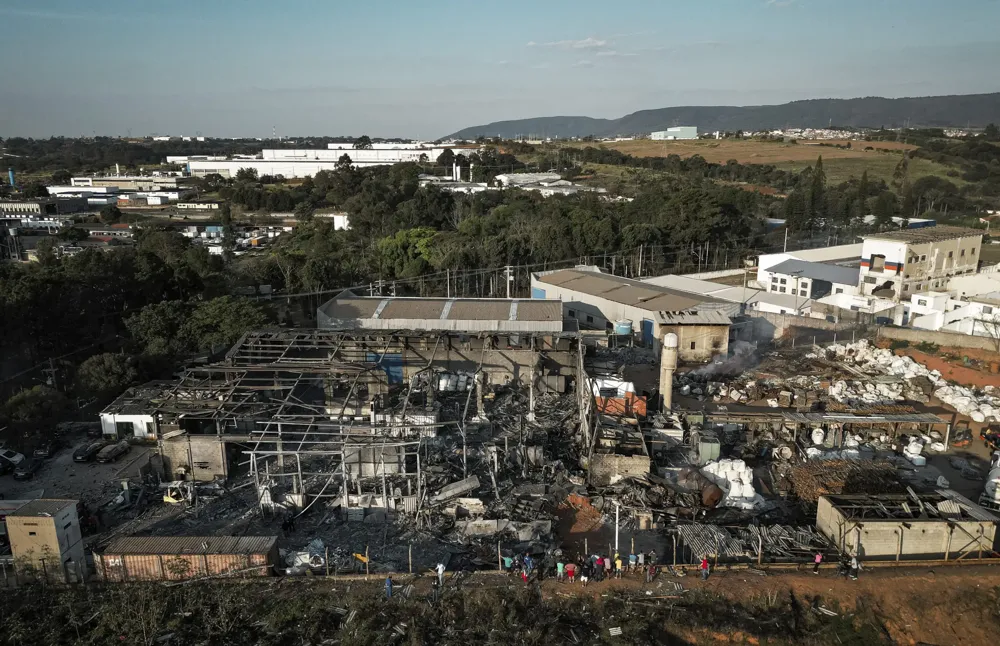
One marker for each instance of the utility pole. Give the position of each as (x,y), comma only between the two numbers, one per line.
(617,507)
(785,248)
(508,277)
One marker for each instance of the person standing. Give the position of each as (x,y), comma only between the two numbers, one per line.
(816,561)
(529,565)
(652,557)
(435,590)
(608,565)
(704,568)
(560,571)
(388,588)
(571,572)
(508,565)
(855,567)
(599,570)
(633,561)
(440,573)
(650,573)
(618,567)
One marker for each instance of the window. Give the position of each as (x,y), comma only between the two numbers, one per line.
(67,526)
(32,534)
(921,301)
(919,286)
(693,343)
(973,252)
(774,279)
(956,307)
(962,254)
(870,280)
(923,258)
(784,311)
(839,290)
(783,281)
(590,319)
(803,293)
(987,309)
(951,254)
(572,314)
(782,290)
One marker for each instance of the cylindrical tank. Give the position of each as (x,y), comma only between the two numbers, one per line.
(668,363)
(623,328)
(10,176)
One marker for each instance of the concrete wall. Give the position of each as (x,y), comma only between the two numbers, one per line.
(139,423)
(950,339)
(699,343)
(767,325)
(604,466)
(880,539)
(207,452)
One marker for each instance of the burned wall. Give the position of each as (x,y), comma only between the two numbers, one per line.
(605,466)
(203,457)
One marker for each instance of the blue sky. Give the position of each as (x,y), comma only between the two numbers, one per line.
(421,68)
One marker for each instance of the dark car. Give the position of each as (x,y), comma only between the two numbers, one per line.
(86,452)
(46,449)
(27,469)
(112,452)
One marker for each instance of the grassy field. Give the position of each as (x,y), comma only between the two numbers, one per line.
(840,164)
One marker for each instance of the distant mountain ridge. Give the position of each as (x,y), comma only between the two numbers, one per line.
(976,110)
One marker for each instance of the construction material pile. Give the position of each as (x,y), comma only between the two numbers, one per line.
(773,541)
(981,407)
(811,480)
(735,479)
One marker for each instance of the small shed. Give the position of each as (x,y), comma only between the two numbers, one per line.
(175,558)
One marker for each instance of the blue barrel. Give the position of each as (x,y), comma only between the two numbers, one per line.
(623,328)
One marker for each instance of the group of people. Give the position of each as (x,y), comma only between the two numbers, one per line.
(587,568)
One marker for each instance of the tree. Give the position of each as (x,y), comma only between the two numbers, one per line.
(990,325)
(991,132)
(222,321)
(72,234)
(817,192)
(45,251)
(884,211)
(247,175)
(61,177)
(228,232)
(344,163)
(446,159)
(36,405)
(364,142)
(34,191)
(111,214)
(104,376)
(156,328)
(304,211)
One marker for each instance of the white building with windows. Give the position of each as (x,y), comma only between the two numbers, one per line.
(677,132)
(898,264)
(939,311)
(808,279)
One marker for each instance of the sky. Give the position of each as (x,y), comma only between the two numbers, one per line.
(426,68)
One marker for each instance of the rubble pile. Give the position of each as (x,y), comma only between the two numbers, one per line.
(768,541)
(917,382)
(810,480)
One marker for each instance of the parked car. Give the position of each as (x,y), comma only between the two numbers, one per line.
(112,452)
(27,469)
(12,458)
(86,452)
(47,448)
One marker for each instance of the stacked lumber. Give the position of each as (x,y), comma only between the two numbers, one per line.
(816,478)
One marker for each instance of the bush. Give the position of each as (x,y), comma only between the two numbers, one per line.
(899,344)
(928,347)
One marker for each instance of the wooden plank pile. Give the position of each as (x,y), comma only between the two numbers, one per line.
(816,478)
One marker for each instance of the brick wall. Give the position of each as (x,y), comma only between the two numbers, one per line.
(603,467)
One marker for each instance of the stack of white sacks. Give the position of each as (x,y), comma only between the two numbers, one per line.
(735,478)
(981,408)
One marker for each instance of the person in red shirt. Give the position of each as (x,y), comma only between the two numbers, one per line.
(571,572)
(704,568)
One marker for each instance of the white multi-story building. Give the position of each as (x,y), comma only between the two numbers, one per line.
(677,132)
(808,279)
(899,264)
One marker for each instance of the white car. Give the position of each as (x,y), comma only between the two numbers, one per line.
(12,458)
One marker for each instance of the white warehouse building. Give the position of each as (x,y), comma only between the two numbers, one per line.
(677,132)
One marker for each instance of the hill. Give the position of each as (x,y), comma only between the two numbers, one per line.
(976,110)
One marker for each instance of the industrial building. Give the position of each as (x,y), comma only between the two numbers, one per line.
(809,279)
(133,183)
(45,536)
(298,163)
(898,264)
(602,301)
(42,206)
(493,315)
(677,132)
(942,525)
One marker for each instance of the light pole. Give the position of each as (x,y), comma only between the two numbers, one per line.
(617,507)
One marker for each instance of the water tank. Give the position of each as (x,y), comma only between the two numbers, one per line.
(670,340)
(623,328)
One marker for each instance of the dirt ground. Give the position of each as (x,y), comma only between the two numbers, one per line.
(943,605)
(747,151)
(949,361)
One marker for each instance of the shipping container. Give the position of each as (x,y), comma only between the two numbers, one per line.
(175,558)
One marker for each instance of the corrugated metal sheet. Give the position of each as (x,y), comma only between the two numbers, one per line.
(177,567)
(192,545)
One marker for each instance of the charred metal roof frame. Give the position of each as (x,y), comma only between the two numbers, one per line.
(170,545)
(943,505)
